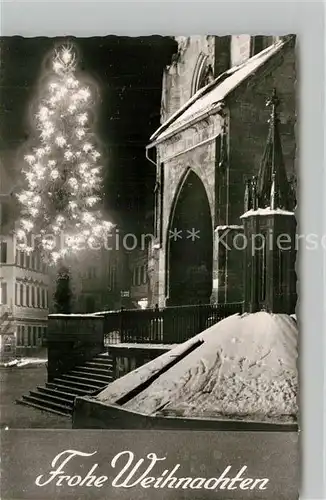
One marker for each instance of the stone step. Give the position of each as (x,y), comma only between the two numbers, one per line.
(72,389)
(58,396)
(52,397)
(77,382)
(107,361)
(106,377)
(102,356)
(41,406)
(95,369)
(86,380)
(47,404)
(66,395)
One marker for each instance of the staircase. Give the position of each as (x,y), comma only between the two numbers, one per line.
(59,396)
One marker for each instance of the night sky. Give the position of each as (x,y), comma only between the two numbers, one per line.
(128,72)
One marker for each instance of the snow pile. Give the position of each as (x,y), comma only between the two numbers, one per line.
(24,362)
(245,368)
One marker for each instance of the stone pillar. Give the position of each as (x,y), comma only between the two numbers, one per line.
(269,261)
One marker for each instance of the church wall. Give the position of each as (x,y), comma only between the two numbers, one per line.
(249,117)
(248,134)
(177,78)
(202,160)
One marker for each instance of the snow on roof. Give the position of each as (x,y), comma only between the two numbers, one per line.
(265,211)
(210,98)
(244,368)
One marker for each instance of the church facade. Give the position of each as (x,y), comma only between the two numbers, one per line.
(215,125)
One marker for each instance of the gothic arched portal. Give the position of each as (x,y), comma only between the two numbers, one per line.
(189,245)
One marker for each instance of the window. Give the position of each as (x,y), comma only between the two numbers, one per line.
(261,256)
(90,304)
(29,335)
(91,272)
(144,274)
(3,294)
(38,297)
(33,296)
(113,278)
(4,213)
(19,335)
(22,259)
(21,294)
(28,260)
(23,334)
(27,296)
(138,275)
(3,252)
(34,341)
(282,271)
(203,73)
(16,294)
(32,261)
(43,298)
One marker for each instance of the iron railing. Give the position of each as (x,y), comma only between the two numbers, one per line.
(169,325)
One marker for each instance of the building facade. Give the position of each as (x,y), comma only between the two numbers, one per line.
(100,277)
(105,280)
(24,280)
(139,289)
(212,138)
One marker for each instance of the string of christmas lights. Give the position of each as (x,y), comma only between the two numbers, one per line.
(63,175)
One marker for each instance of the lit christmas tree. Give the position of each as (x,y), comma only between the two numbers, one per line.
(62,171)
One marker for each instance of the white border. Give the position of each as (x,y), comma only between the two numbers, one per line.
(307,19)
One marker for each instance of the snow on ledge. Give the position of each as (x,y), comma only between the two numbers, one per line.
(266,211)
(89,315)
(230,226)
(125,345)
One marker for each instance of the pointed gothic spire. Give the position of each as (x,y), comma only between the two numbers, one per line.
(272,183)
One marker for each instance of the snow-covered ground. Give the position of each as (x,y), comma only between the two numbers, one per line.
(245,368)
